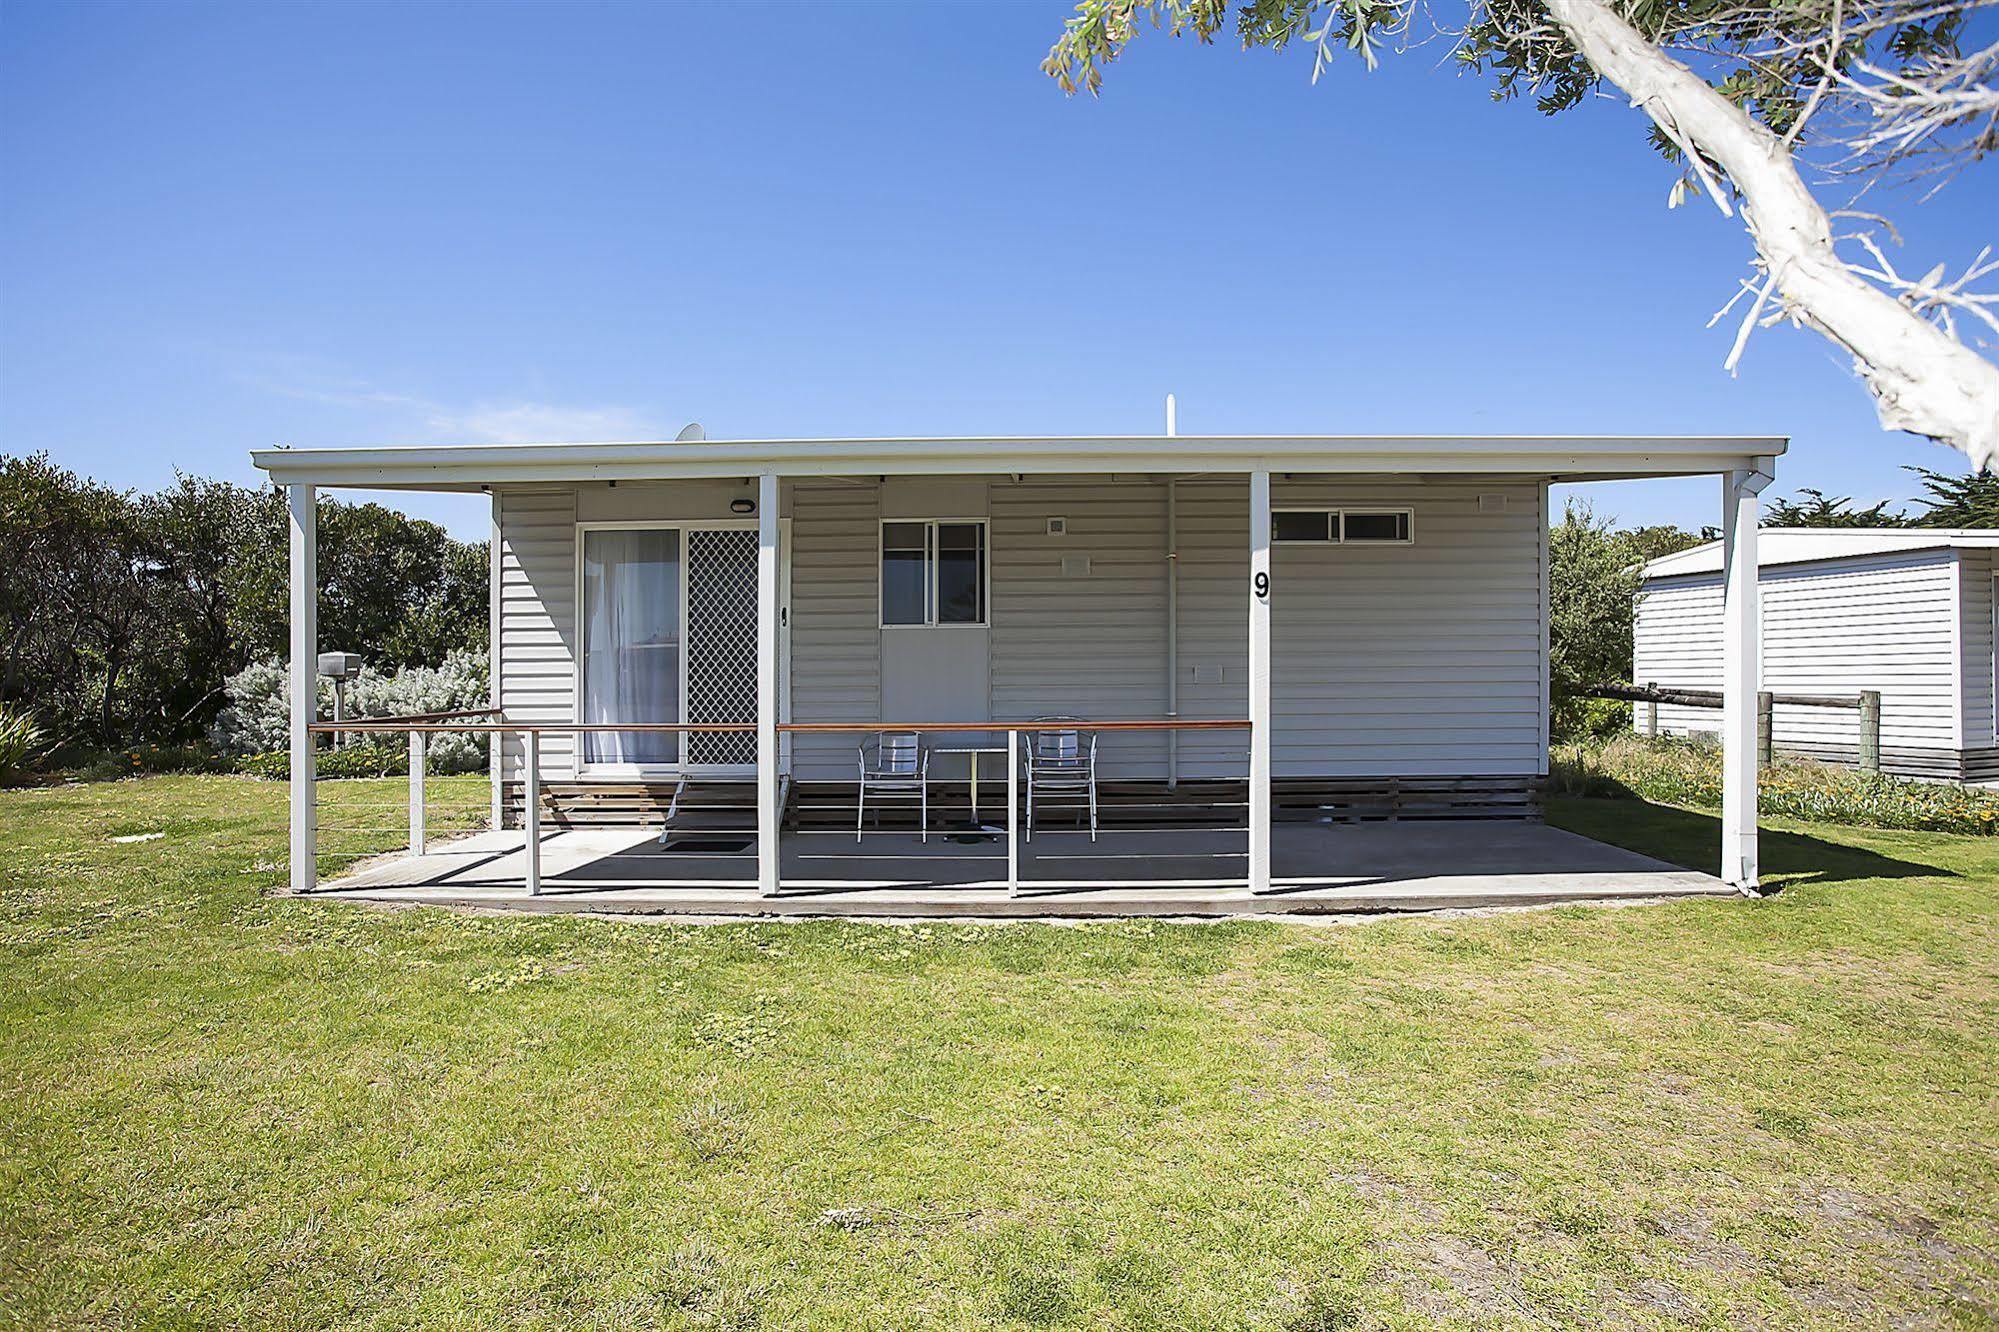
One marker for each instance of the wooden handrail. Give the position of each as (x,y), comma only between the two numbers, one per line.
(539,728)
(1058,724)
(794,728)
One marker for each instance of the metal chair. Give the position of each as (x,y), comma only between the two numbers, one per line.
(1060,765)
(894,766)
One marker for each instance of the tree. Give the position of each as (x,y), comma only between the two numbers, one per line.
(1748,98)
(74,592)
(121,615)
(1651,543)
(1593,577)
(1815,508)
(195,530)
(396,589)
(1958,501)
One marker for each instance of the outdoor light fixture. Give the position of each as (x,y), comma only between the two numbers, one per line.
(742,506)
(339,667)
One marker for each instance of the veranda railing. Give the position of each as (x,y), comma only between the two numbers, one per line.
(491,721)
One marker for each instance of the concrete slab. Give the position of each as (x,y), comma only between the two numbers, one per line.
(1317,869)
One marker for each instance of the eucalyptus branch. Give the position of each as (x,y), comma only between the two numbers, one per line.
(1747,96)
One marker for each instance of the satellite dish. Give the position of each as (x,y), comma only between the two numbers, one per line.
(690,433)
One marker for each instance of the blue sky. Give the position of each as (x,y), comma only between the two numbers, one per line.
(223,227)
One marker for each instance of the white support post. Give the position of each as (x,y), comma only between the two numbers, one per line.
(1741,659)
(767,613)
(1012,812)
(1259,682)
(417,747)
(531,811)
(301,502)
(496,742)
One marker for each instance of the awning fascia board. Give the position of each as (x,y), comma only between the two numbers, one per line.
(480,466)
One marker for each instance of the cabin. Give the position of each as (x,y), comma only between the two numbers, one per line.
(1905,612)
(1231,631)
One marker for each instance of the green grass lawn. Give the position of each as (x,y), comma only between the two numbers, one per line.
(219,1107)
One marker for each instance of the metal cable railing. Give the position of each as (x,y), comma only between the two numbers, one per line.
(492,722)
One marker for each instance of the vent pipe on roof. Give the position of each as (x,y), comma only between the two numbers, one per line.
(1172,416)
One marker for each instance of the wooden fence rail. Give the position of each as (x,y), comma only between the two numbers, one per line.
(1867,703)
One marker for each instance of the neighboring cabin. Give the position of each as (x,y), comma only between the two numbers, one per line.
(1906,611)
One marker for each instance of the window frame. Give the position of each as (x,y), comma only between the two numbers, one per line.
(1336,524)
(1373,511)
(930,567)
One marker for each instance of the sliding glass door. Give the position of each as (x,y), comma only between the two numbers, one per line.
(631,613)
(668,635)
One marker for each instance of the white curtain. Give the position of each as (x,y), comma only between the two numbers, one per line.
(631,643)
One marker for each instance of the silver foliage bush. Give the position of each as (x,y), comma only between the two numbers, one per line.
(257,719)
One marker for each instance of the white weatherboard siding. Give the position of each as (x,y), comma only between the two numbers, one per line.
(1079,619)
(538,622)
(1419,659)
(1887,622)
(1413,660)
(835,644)
(1977,570)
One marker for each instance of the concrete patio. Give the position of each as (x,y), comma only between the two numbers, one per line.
(1318,869)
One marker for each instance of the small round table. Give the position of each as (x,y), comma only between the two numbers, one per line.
(974,751)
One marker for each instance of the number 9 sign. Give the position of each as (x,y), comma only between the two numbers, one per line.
(1262,585)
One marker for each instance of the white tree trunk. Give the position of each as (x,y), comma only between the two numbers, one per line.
(1923,380)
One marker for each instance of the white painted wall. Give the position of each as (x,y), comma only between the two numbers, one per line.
(835,645)
(1978,575)
(1890,622)
(1079,619)
(538,622)
(1412,660)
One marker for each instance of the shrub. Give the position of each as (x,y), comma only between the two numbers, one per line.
(106,765)
(21,742)
(374,760)
(1578,718)
(1677,771)
(257,720)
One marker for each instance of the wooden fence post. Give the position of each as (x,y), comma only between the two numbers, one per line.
(1651,715)
(1870,730)
(1766,748)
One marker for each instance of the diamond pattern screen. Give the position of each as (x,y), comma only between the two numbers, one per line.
(722,642)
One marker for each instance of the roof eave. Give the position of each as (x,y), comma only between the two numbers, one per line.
(472,467)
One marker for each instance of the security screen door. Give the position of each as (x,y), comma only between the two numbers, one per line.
(669,617)
(721,643)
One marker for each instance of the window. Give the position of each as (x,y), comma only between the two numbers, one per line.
(1375,525)
(1326,526)
(933,572)
(1301,525)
